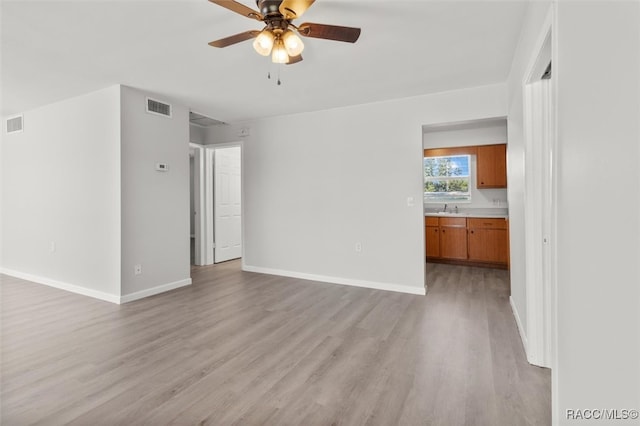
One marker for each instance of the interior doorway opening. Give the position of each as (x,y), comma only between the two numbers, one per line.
(216,203)
(458,159)
(196,203)
(226,232)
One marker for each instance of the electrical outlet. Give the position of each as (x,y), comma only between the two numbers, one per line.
(137,270)
(358,247)
(52,247)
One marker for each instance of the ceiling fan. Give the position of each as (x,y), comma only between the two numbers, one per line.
(279,38)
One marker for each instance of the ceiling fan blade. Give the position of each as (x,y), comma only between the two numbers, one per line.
(237,38)
(240,8)
(294,59)
(292,9)
(329,32)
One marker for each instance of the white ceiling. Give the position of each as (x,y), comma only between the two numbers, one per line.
(54,50)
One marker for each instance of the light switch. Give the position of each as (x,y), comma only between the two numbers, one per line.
(410,202)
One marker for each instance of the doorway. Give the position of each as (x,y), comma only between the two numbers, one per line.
(218,208)
(196,204)
(227,204)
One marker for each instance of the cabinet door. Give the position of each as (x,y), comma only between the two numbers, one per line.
(453,242)
(488,245)
(432,240)
(491,166)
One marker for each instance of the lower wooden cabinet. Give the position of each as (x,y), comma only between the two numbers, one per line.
(453,238)
(467,240)
(432,236)
(488,240)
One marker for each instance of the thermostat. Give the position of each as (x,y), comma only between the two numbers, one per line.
(162,167)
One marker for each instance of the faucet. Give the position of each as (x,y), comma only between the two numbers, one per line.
(456,209)
(445,208)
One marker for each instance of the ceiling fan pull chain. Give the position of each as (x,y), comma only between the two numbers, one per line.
(279,82)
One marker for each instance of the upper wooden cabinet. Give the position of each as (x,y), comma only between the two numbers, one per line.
(491,166)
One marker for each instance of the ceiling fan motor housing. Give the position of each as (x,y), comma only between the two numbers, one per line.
(269,8)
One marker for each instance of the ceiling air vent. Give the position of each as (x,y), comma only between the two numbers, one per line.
(14,124)
(157,107)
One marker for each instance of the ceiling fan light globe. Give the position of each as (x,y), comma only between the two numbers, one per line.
(263,44)
(292,43)
(279,54)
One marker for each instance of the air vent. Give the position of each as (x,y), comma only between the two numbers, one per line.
(157,107)
(14,124)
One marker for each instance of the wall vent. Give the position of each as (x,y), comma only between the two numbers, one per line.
(14,124)
(157,107)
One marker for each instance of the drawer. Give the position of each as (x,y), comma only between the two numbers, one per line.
(459,222)
(490,223)
(431,221)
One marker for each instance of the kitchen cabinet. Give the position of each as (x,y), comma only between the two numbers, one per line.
(488,240)
(432,236)
(453,237)
(491,165)
(472,241)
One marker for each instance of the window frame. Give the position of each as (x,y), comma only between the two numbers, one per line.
(449,196)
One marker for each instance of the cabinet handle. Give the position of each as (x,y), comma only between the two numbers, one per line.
(472,232)
(435,230)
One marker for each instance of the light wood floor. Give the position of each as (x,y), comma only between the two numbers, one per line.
(240,348)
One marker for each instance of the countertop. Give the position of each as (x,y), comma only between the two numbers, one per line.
(492,213)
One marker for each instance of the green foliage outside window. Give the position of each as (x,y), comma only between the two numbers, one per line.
(447,178)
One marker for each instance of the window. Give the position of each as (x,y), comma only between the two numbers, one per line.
(447,178)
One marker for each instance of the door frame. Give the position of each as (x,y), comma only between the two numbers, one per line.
(541,288)
(209,216)
(198,201)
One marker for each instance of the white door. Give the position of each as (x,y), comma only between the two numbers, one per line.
(227,204)
(538,220)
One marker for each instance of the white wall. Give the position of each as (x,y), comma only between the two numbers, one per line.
(598,116)
(481,132)
(317,183)
(532,25)
(598,249)
(197,134)
(61,184)
(155,205)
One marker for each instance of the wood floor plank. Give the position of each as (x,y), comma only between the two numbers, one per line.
(240,348)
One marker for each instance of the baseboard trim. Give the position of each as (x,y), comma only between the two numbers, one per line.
(107,297)
(336,280)
(523,335)
(154,290)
